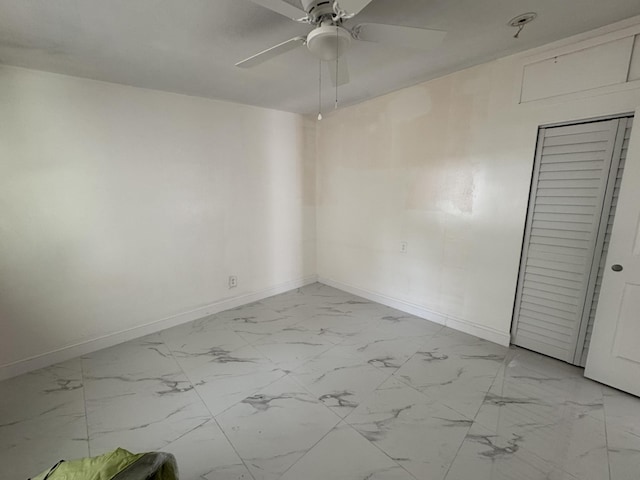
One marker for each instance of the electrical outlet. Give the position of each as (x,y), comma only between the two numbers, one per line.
(233,281)
(403,247)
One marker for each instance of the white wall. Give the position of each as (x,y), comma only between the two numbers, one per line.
(445,166)
(122,206)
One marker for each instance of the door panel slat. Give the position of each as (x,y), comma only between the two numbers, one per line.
(553,281)
(591,147)
(536,307)
(566,166)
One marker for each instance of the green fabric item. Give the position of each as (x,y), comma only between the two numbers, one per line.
(104,467)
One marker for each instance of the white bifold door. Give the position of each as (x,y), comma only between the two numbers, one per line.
(576,183)
(614,354)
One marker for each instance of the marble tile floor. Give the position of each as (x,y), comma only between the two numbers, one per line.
(319,384)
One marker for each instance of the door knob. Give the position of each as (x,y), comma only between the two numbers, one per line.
(616,268)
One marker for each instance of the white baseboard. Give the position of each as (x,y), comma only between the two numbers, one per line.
(481,331)
(82,348)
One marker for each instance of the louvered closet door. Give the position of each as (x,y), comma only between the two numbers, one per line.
(569,183)
(606,226)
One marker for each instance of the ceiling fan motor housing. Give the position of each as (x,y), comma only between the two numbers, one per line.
(316,9)
(328,42)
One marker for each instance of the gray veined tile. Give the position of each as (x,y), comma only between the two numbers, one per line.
(572,391)
(421,435)
(345,455)
(622,414)
(314,293)
(571,437)
(204,453)
(333,326)
(467,345)
(36,445)
(380,350)
(559,398)
(624,456)
(200,332)
(325,292)
(524,364)
(535,417)
(333,310)
(399,324)
(548,399)
(42,420)
(223,382)
(118,421)
(55,390)
(248,312)
(256,328)
(273,428)
(307,301)
(484,456)
(147,357)
(339,380)
(121,379)
(195,345)
(291,348)
(546,378)
(456,369)
(297,310)
(307,296)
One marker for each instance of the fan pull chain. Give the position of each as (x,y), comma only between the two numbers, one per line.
(336,105)
(320,90)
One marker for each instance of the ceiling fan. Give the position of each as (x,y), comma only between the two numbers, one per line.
(332,33)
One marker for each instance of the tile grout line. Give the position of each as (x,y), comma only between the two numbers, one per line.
(84,399)
(380,450)
(206,407)
(311,447)
(340,419)
(240,401)
(286,374)
(247,344)
(308,318)
(344,421)
(606,433)
(504,364)
(314,395)
(188,432)
(290,375)
(424,395)
(262,356)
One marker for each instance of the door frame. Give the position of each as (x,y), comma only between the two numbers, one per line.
(602,118)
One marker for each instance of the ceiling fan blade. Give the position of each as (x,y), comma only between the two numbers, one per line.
(410,37)
(283,8)
(353,7)
(272,52)
(341,75)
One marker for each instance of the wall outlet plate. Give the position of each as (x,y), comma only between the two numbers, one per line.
(233,281)
(404,247)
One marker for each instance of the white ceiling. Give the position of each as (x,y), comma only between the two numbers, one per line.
(191,46)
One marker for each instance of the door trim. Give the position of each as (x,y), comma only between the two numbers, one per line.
(604,118)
